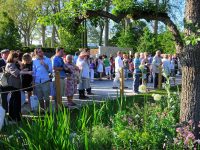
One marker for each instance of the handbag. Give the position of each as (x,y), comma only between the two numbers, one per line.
(4,78)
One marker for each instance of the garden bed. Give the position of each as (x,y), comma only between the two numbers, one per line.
(136,122)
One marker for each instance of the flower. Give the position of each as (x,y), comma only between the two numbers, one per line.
(190,122)
(142,88)
(137,116)
(141,67)
(157,97)
(197,141)
(178,130)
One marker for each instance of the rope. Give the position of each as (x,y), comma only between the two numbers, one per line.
(22,89)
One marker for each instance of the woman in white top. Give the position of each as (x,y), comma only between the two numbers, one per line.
(100,67)
(166,65)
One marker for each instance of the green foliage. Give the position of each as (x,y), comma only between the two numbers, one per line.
(9,36)
(101,137)
(149,42)
(127,123)
(70,41)
(166,42)
(130,5)
(128,37)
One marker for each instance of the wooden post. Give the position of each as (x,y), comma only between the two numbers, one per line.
(121,82)
(160,78)
(58,90)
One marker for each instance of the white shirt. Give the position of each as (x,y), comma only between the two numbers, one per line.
(84,67)
(166,66)
(118,63)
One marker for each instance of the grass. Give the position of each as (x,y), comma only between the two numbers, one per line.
(55,130)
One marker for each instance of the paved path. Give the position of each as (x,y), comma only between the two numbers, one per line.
(103,90)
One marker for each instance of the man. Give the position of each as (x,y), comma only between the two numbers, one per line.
(137,72)
(42,66)
(58,65)
(4,56)
(89,89)
(156,64)
(118,66)
(82,64)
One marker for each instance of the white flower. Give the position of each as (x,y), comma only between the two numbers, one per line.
(137,116)
(142,88)
(141,67)
(157,97)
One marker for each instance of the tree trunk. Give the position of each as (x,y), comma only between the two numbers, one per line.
(85,34)
(43,28)
(53,36)
(25,43)
(101,34)
(106,33)
(190,96)
(128,23)
(155,27)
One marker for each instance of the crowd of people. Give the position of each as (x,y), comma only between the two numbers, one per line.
(35,74)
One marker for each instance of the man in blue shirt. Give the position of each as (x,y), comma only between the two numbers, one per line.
(136,81)
(58,65)
(42,66)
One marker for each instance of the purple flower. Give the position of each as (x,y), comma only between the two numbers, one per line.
(190,122)
(178,130)
(190,136)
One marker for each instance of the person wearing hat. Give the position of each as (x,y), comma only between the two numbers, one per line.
(4,56)
(84,68)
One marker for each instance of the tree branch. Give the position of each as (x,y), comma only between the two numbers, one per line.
(136,15)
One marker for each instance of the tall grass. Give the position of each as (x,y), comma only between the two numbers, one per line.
(127,123)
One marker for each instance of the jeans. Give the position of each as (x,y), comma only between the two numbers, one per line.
(91,75)
(136,82)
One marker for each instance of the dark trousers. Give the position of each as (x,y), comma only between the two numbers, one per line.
(136,82)
(15,105)
(4,97)
(156,80)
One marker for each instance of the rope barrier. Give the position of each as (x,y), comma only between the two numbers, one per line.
(22,89)
(62,77)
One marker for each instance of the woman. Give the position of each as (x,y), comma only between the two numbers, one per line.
(126,65)
(14,83)
(100,67)
(71,80)
(27,79)
(146,70)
